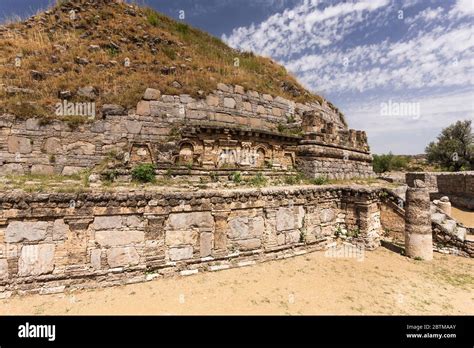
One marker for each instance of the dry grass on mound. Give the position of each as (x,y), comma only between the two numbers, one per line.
(59,54)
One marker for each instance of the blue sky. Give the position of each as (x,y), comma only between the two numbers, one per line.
(362,55)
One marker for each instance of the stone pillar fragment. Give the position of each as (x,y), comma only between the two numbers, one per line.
(445,205)
(418,234)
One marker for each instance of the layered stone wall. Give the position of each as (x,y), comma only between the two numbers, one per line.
(459,187)
(53,242)
(449,236)
(230,127)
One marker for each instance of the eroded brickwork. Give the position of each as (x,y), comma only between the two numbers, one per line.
(53,242)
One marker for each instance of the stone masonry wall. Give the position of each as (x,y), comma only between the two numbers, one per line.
(459,187)
(153,131)
(52,242)
(449,236)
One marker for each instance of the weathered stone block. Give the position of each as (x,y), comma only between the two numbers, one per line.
(18,231)
(293,237)
(175,238)
(249,244)
(60,230)
(267,97)
(52,146)
(224,88)
(152,94)
(18,144)
(80,148)
(133,127)
(70,170)
(122,257)
(247,106)
(327,215)
(212,100)
(3,269)
(143,108)
(289,218)
(206,242)
(33,124)
(11,168)
(229,103)
(96,258)
(185,221)
(246,227)
(133,221)
(42,169)
(107,222)
(108,238)
(36,259)
(261,110)
(239,89)
(176,254)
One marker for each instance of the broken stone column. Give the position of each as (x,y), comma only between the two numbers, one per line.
(445,205)
(418,234)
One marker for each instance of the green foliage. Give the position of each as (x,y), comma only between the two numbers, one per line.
(291,119)
(454,148)
(152,17)
(258,180)
(294,179)
(236,177)
(320,180)
(182,28)
(387,162)
(110,175)
(302,236)
(144,172)
(354,233)
(214,177)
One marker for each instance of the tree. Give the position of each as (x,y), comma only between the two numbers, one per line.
(388,162)
(454,148)
(382,163)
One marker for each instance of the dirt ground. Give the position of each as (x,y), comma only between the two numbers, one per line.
(384,282)
(463,215)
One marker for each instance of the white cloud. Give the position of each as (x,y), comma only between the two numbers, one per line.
(409,134)
(434,59)
(304,27)
(358,51)
(463,8)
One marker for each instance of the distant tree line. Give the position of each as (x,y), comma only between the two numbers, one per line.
(452,151)
(389,162)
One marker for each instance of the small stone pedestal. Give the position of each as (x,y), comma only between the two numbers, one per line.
(445,205)
(418,234)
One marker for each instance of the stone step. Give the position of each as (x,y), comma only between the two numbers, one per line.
(438,218)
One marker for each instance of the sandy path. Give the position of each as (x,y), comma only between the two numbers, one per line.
(383,283)
(463,215)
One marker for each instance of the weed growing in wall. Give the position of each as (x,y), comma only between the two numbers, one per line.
(144,173)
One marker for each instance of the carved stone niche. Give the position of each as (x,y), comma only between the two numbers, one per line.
(189,153)
(210,154)
(141,153)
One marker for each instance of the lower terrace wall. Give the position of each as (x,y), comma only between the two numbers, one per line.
(459,187)
(54,242)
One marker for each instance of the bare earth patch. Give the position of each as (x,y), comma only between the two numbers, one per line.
(383,283)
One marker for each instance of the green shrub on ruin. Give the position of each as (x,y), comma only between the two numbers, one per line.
(144,173)
(258,180)
(320,180)
(236,177)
